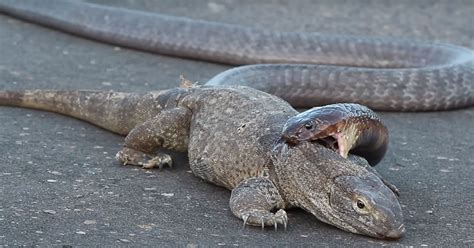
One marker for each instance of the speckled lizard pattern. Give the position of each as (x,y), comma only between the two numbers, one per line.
(231,134)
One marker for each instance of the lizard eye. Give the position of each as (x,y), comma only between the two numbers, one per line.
(360,206)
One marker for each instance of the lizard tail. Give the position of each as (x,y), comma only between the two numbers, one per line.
(105,109)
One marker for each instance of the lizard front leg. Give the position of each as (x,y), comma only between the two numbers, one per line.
(254,199)
(169,130)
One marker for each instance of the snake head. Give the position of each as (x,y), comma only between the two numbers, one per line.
(345,127)
(314,124)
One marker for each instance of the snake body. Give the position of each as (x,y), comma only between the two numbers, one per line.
(306,69)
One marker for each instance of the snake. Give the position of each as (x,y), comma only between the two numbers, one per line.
(305,69)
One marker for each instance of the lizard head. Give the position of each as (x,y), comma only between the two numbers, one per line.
(366,206)
(337,191)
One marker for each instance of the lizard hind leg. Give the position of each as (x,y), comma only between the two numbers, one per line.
(253,201)
(168,130)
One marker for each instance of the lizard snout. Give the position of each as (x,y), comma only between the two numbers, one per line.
(395,233)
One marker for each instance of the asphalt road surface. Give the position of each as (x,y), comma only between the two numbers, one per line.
(59,183)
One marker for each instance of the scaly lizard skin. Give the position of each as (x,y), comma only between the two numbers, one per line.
(231,134)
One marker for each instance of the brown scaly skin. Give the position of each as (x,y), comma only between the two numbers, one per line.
(263,177)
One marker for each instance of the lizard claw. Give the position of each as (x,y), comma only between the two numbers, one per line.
(281,218)
(158,161)
(135,157)
(130,156)
(264,218)
(245,217)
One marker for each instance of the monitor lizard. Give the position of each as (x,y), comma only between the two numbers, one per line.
(231,135)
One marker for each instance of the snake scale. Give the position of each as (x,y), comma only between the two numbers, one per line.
(305,69)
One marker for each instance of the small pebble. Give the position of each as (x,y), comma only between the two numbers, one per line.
(90,222)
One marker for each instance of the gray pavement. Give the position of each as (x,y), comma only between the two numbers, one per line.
(59,183)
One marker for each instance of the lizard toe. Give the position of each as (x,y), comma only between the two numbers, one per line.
(281,218)
(159,161)
(264,218)
(128,156)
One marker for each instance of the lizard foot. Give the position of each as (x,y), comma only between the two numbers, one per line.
(264,218)
(160,160)
(133,157)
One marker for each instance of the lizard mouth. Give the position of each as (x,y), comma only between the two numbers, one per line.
(394,234)
(388,234)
